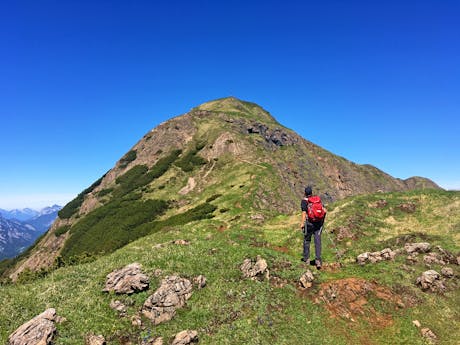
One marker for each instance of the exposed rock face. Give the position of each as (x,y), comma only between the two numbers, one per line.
(92,339)
(173,293)
(384,254)
(185,337)
(431,280)
(306,280)
(40,330)
(127,280)
(255,270)
(423,247)
(433,258)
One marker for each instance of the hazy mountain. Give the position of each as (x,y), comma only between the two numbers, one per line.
(19,214)
(15,236)
(45,218)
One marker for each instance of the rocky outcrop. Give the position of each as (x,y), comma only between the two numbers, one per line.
(257,270)
(384,254)
(40,330)
(119,307)
(173,293)
(185,338)
(127,280)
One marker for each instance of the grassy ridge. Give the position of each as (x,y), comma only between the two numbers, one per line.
(232,310)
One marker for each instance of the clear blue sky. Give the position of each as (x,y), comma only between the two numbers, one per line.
(82,81)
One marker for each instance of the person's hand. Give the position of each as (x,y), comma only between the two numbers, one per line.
(302,226)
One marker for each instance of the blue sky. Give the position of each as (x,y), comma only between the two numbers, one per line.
(82,81)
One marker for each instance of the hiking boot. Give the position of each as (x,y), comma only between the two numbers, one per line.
(318,264)
(303,260)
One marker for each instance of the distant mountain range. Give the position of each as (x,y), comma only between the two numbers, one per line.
(20,228)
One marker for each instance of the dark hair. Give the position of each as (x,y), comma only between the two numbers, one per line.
(308,191)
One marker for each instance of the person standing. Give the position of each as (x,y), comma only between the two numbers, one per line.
(313,216)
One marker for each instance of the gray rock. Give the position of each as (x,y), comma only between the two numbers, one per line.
(429,335)
(255,271)
(127,280)
(306,280)
(447,272)
(433,258)
(92,339)
(185,337)
(422,247)
(431,280)
(200,281)
(40,330)
(384,254)
(173,293)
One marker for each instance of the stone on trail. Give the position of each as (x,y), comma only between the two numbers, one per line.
(119,307)
(255,271)
(40,330)
(127,280)
(173,293)
(306,280)
(185,337)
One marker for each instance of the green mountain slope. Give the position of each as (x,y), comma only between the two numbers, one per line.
(225,147)
(371,304)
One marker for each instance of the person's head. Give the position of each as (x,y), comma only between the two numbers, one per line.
(308,191)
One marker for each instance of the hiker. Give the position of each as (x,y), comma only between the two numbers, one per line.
(313,215)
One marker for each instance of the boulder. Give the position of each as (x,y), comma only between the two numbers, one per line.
(306,280)
(431,280)
(40,330)
(92,339)
(173,293)
(127,280)
(185,337)
(422,247)
(255,270)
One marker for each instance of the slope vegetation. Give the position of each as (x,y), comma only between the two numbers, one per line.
(347,304)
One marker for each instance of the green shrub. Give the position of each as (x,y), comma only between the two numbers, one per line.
(140,175)
(72,207)
(110,227)
(61,230)
(128,158)
(191,160)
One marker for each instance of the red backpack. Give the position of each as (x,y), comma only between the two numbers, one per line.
(315,210)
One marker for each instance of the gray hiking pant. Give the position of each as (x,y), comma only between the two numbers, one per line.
(312,229)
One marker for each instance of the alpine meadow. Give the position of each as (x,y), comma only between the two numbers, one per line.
(203,212)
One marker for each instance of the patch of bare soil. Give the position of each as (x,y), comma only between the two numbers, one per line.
(331,267)
(350,299)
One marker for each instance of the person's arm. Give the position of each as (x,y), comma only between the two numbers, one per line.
(303,206)
(304,218)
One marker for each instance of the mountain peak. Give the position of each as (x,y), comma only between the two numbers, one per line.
(234,106)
